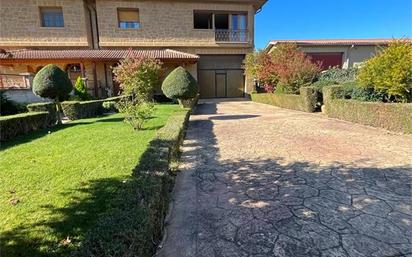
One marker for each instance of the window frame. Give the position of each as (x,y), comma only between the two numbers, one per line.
(212,25)
(119,9)
(42,11)
(229,13)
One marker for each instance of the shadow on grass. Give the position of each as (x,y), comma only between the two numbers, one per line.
(22,139)
(118,217)
(306,206)
(70,222)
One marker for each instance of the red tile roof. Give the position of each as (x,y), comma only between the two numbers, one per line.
(96,55)
(338,42)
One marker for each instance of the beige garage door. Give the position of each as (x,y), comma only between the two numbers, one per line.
(221,76)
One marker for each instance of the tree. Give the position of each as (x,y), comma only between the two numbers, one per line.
(286,68)
(180,84)
(80,90)
(52,82)
(138,76)
(390,71)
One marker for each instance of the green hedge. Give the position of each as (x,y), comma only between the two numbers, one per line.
(20,124)
(134,225)
(392,116)
(45,107)
(306,101)
(75,110)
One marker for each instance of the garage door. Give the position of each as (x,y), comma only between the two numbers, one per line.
(327,60)
(221,76)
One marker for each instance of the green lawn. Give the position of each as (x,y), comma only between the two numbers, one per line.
(54,186)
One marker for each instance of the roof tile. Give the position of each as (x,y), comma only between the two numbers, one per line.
(103,55)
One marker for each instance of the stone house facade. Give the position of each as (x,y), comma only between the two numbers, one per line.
(209,38)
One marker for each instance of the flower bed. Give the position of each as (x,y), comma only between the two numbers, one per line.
(392,116)
(306,101)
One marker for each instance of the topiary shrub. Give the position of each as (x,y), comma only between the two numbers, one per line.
(52,82)
(180,84)
(390,72)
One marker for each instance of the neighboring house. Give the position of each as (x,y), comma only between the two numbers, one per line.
(87,37)
(343,53)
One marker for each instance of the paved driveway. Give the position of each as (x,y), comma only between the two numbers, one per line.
(258,180)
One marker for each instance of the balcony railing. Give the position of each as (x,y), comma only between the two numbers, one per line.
(16,81)
(232,36)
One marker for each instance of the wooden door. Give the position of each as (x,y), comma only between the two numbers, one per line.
(221,84)
(206,80)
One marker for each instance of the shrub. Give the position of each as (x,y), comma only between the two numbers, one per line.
(80,90)
(75,110)
(391,116)
(20,124)
(9,107)
(339,75)
(51,82)
(258,65)
(136,113)
(292,68)
(390,71)
(352,90)
(180,84)
(110,106)
(44,107)
(138,76)
(134,225)
(306,101)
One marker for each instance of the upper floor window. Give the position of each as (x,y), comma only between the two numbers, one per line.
(203,20)
(128,18)
(51,17)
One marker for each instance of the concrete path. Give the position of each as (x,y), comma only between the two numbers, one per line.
(258,180)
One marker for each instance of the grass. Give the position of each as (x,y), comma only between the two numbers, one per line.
(48,198)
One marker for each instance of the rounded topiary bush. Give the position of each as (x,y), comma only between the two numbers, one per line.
(51,82)
(180,84)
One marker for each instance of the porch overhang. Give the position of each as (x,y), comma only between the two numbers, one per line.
(26,55)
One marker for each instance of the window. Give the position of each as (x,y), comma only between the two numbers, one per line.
(128,18)
(51,17)
(203,20)
(221,21)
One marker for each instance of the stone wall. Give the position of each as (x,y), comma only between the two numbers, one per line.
(20,24)
(170,21)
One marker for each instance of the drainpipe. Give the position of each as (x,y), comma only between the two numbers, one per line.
(93,24)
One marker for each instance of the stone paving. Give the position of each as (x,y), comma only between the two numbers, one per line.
(257,180)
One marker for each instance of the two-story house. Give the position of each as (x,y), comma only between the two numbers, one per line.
(88,37)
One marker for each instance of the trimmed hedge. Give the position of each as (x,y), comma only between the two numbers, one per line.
(45,107)
(306,101)
(134,225)
(391,116)
(75,110)
(20,124)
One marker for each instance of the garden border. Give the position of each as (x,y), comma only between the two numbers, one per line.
(134,226)
(306,101)
(391,116)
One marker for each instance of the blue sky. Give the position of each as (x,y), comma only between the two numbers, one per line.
(320,19)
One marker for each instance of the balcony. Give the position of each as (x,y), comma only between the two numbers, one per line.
(231,36)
